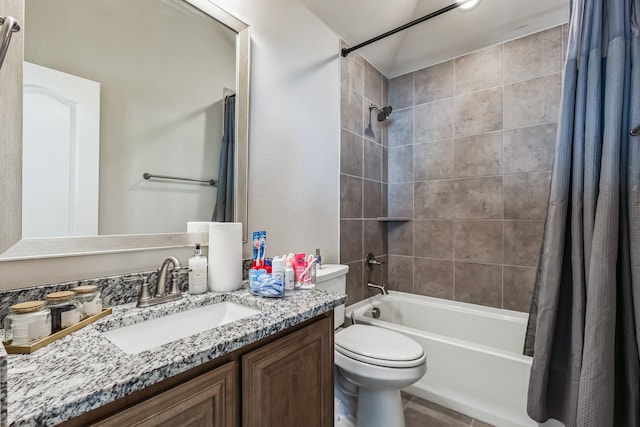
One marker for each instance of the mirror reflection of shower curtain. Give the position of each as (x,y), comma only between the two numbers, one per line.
(223,211)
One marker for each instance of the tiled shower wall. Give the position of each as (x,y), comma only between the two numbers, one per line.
(363,173)
(470,146)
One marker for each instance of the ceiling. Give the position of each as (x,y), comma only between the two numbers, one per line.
(444,37)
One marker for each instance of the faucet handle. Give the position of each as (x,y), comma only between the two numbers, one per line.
(371,261)
(174,279)
(145,296)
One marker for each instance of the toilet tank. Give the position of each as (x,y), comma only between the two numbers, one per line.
(333,277)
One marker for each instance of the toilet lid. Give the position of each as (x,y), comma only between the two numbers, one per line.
(379,346)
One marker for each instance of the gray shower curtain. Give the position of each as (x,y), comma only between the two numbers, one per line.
(223,211)
(585,313)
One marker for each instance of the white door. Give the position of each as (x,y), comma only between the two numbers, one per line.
(61,148)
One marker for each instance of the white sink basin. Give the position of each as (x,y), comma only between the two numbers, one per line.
(156,332)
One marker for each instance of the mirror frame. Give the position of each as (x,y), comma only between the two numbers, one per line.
(16,248)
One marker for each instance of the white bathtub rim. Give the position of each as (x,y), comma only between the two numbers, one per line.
(458,306)
(361,307)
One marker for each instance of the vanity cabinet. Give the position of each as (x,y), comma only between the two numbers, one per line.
(285,380)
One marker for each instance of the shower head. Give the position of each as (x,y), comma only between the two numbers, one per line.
(383,112)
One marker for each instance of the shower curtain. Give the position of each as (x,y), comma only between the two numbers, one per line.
(223,211)
(585,313)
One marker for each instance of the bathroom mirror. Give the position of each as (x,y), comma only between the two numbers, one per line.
(146,83)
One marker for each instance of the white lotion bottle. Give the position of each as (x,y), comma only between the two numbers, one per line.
(197,272)
(289,277)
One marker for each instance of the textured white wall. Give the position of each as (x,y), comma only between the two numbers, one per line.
(294,147)
(294,150)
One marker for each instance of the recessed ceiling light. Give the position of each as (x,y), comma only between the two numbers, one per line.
(467,4)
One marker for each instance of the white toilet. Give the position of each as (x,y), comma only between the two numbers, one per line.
(372,365)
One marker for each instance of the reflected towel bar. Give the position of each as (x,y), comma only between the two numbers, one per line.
(9,26)
(212,182)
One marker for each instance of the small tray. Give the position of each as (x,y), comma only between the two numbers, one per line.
(27,349)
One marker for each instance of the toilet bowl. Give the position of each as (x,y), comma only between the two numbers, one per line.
(379,362)
(372,365)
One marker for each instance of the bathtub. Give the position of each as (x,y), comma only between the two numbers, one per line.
(474,354)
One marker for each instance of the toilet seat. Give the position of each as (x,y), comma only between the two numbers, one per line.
(379,347)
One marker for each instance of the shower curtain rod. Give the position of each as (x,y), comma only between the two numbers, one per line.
(446,9)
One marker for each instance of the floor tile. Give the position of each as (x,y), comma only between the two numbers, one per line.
(421,413)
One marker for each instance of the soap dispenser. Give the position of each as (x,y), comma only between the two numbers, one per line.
(197,272)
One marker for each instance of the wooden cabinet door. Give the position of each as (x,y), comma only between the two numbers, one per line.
(206,401)
(289,382)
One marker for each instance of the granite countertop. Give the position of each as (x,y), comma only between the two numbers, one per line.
(84,370)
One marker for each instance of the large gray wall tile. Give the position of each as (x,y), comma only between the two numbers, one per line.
(372,84)
(350,240)
(400,273)
(518,287)
(522,240)
(478,283)
(478,241)
(372,128)
(372,168)
(479,70)
(478,155)
(350,197)
(400,128)
(532,102)
(433,278)
(530,149)
(351,110)
(479,112)
(352,71)
(434,199)
(401,164)
(526,195)
(433,160)
(373,230)
(400,238)
(354,282)
(400,198)
(478,198)
(433,238)
(533,56)
(401,91)
(434,83)
(350,153)
(434,121)
(385,164)
(372,203)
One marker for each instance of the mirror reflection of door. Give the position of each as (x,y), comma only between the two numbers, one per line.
(60,154)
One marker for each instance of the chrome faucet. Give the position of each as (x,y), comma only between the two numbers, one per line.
(161,295)
(371,262)
(383,290)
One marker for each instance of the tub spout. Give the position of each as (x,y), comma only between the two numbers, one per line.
(381,288)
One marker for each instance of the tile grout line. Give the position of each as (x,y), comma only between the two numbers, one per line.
(413,193)
(502,173)
(454,222)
